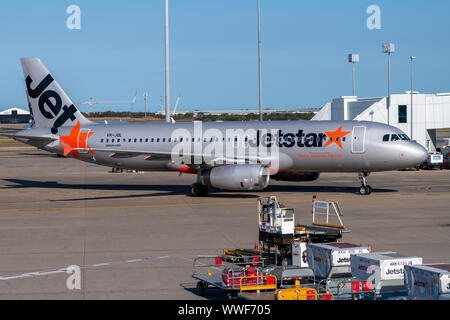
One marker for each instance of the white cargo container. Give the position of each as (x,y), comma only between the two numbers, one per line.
(332,260)
(384,269)
(428,281)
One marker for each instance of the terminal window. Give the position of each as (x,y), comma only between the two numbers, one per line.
(402,116)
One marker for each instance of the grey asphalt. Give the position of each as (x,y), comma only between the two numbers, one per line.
(135,234)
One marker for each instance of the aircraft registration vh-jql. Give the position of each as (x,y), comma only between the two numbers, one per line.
(226,155)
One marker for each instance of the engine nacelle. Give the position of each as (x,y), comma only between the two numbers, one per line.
(296,176)
(237,177)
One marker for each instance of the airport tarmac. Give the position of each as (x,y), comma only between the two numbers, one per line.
(134,235)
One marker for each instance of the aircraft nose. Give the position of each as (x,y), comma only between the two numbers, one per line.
(418,153)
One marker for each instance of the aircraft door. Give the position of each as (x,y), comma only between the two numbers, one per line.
(359,139)
(82,139)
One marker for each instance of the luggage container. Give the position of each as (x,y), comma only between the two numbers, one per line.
(431,281)
(332,260)
(331,265)
(385,270)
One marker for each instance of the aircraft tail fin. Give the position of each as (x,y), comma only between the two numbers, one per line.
(49,104)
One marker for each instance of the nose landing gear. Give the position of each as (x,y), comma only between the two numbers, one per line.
(365,189)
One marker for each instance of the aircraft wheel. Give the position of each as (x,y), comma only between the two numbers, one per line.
(363,190)
(369,188)
(197,190)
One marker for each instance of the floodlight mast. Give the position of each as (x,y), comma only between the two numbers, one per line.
(167,61)
(411,58)
(259,63)
(353,58)
(145,95)
(389,48)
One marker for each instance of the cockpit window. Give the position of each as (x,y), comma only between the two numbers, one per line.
(395,137)
(404,137)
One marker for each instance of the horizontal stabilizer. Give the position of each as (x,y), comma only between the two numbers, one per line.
(35,138)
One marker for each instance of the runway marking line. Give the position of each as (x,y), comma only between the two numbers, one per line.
(248,202)
(63,270)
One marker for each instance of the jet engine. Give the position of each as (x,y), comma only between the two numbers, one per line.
(237,177)
(296,176)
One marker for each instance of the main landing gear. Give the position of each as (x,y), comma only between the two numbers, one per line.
(365,189)
(198,190)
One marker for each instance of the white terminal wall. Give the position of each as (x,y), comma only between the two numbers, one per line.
(429,112)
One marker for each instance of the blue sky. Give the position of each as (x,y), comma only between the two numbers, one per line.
(120,49)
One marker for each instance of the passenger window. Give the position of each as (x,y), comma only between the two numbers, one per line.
(101,140)
(157,140)
(395,137)
(386,138)
(153,139)
(146,139)
(135,140)
(129,139)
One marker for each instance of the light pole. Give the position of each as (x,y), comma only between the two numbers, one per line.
(389,48)
(259,63)
(145,95)
(353,58)
(166,7)
(411,58)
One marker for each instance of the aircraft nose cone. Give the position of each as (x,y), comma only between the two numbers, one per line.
(419,153)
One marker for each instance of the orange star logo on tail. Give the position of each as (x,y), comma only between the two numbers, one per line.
(336,137)
(75,139)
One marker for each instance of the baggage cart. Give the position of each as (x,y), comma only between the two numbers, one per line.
(232,277)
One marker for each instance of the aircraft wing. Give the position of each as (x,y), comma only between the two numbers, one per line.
(161,155)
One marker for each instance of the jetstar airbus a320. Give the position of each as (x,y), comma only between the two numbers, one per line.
(227,155)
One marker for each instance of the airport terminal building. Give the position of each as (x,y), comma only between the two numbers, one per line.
(15,115)
(429,112)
